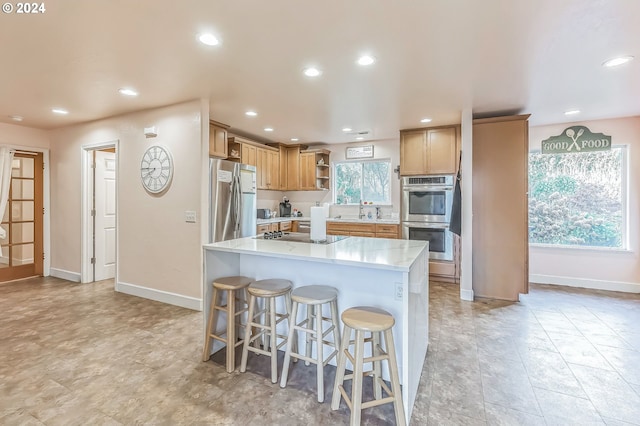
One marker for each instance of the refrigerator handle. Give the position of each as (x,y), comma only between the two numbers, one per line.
(237,195)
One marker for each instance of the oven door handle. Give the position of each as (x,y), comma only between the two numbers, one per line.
(422,188)
(432,225)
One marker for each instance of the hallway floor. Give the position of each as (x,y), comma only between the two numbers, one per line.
(84,354)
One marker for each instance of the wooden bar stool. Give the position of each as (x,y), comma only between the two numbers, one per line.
(378,322)
(268,290)
(314,296)
(230,285)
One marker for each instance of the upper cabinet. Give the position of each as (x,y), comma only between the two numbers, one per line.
(429,151)
(218,146)
(283,167)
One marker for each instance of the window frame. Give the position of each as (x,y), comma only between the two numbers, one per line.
(334,180)
(624,228)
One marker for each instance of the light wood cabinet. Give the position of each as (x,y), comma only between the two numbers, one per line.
(262,170)
(218,140)
(248,154)
(266,159)
(285,226)
(293,168)
(307,171)
(500,267)
(429,151)
(355,229)
(273,165)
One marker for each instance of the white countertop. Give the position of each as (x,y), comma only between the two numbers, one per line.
(356,220)
(373,253)
(283,219)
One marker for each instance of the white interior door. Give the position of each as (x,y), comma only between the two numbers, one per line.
(105,215)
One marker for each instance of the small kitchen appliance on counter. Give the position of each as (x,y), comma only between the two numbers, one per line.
(285,208)
(264,213)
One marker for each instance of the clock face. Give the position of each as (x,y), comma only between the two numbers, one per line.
(156,169)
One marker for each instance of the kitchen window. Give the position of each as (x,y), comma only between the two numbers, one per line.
(578,200)
(369,181)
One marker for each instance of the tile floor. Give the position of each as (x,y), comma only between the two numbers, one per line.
(83,354)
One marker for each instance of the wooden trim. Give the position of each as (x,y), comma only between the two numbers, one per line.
(418,129)
(218,124)
(239,139)
(501,119)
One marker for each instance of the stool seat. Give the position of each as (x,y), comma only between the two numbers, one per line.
(232,283)
(314,294)
(270,288)
(368,318)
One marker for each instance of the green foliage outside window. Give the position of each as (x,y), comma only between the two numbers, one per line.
(576,199)
(363,180)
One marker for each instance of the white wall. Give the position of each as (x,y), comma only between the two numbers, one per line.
(11,134)
(596,268)
(304,200)
(159,254)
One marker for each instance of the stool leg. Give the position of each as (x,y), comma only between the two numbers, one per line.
(356,384)
(307,352)
(319,353)
(231,331)
(342,362)
(395,380)
(287,352)
(289,304)
(336,325)
(247,334)
(273,340)
(377,368)
(211,327)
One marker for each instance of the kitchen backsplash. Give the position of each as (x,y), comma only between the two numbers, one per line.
(303,201)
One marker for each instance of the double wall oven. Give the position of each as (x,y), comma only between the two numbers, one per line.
(426,211)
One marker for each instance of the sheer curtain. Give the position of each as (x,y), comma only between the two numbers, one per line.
(6,158)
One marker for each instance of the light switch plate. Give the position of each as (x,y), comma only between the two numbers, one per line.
(190,216)
(398,291)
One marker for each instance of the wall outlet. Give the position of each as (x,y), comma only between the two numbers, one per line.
(398,291)
(190,216)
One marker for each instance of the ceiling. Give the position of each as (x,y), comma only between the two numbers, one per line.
(433,59)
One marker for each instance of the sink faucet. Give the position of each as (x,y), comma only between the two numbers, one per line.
(361,215)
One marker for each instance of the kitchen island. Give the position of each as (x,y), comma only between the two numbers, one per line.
(384,273)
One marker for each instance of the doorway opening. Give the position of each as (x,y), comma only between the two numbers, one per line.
(21,239)
(99,213)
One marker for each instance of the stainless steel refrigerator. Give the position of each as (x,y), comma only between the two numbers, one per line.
(232,200)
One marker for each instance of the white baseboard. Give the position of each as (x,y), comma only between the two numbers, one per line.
(160,296)
(586,283)
(466,295)
(65,275)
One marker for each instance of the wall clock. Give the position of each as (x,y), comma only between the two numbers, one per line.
(156,169)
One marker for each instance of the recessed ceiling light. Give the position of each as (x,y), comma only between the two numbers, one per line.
(60,111)
(614,62)
(294,139)
(268,129)
(209,39)
(251,113)
(366,60)
(572,112)
(347,129)
(359,138)
(127,92)
(312,72)
(425,120)
(16,117)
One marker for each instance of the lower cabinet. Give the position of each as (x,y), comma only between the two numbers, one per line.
(275,226)
(377,230)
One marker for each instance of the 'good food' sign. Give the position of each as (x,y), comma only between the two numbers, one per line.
(576,139)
